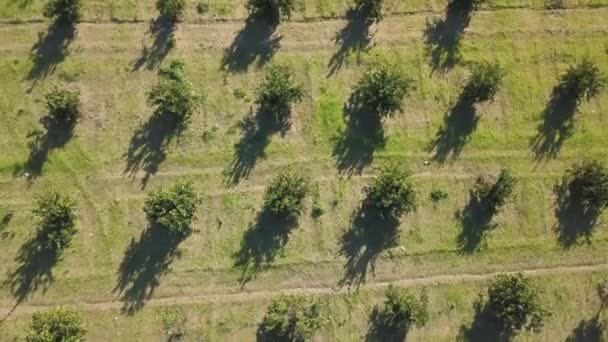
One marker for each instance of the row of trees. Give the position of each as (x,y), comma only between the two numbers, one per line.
(513,301)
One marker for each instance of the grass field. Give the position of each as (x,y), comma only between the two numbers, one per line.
(122,277)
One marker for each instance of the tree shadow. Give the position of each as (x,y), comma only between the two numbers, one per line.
(147,147)
(36,259)
(379,331)
(263,240)
(361,245)
(557,125)
(257,130)
(458,125)
(144,263)
(355,36)
(50,49)
(476,221)
(56,135)
(364,134)
(573,221)
(484,327)
(443,36)
(588,330)
(7,216)
(162,28)
(257,41)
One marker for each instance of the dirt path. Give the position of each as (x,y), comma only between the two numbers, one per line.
(26,309)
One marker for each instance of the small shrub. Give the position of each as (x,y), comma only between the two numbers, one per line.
(171,42)
(292,318)
(402,310)
(58,324)
(391,193)
(172,9)
(202,7)
(555,4)
(317,206)
(438,195)
(64,11)
(484,82)
(275,9)
(371,7)
(588,185)
(286,193)
(278,92)
(583,81)
(516,304)
(173,209)
(57,215)
(173,94)
(494,195)
(468,5)
(174,322)
(63,105)
(382,90)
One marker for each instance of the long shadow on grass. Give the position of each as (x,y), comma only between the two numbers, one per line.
(50,50)
(257,130)
(458,125)
(263,240)
(557,124)
(162,29)
(361,245)
(476,221)
(256,42)
(573,220)
(379,332)
(363,136)
(593,329)
(443,36)
(484,327)
(55,135)
(35,259)
(145,262)
(355,36)
(147,147)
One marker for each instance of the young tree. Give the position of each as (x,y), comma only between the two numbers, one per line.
(485,81)
(371,7)
(63,105)
(173,94)
(391,193)
(172,9)
(402,310)
(382,90)
(58,324)
(515,302)
(286,193)
(494,195)
(63,11)
(56,214)
(583,80)
(588,185)
(275,9)
(292,318)
(278,92)
(173,209)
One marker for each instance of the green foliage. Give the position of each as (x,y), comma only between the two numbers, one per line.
(438,195)
(57,325)
(278,92)
(494,195)
(172,9)
(174,322)
(173,209)
(57,215)
(293,318)
(286,193)
(584,80)
(317,206)
(202,7)
(588,184)
(275,9)
(64,11)
(373,8)
(516,304)
(173,94)
(485,81)
(391,193)
(382,90)
(468,5)
(402,310)
(63,105)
